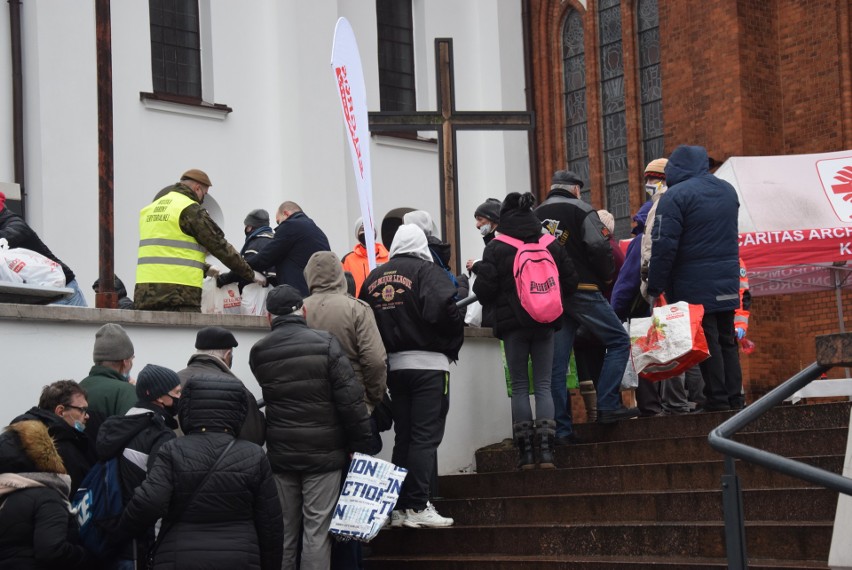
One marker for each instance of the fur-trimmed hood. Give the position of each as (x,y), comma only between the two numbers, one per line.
(26,447)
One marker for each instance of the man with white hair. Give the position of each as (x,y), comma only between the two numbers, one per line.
(578,228)
(423,331)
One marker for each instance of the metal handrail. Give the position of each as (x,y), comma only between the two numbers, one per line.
(720,440)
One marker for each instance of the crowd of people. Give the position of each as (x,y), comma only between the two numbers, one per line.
(347,347)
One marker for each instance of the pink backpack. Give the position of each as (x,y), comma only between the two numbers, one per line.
(536,278)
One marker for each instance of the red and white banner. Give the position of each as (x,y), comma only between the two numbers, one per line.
(349,79)
(795,247)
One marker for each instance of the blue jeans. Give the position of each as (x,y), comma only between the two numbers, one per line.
(75,300)
(591,309)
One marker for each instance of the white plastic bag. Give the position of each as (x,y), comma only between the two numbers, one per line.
(254,300)
(6,274)
(367,498)
(32,267)
(231,299)
(473,312)
(669,342)
(630,379)
(211,297)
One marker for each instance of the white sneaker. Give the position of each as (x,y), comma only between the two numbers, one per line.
(427,518)
(397,518)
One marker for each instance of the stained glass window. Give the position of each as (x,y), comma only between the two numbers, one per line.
(574,80)
(650,80)
(613,116)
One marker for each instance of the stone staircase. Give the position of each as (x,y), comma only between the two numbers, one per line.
(641,493)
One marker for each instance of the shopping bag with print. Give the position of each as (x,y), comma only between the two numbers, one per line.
(669,342)
(367,498)
(630,379)
(231,299)
(253,300)
(31,267)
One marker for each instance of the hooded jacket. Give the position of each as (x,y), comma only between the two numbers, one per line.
(694,252)
(208,366)
(626,287)
(578,228)
(412,299)
(234,519)
(315,411)
(74,447)
(495,282)
(296,239)
(37,529)
(350,320)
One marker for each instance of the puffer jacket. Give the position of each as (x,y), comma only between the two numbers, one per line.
(19,234)
(626,288)
(75,448)
(234,520)
(208,366)
(694,251)
(37,529)
(350,320)
(495,281)
(315,411)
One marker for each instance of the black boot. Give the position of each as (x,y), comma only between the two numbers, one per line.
(545,431)
(523,435)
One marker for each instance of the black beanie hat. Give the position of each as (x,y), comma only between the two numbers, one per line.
(284,300)
(490,210)
(212,338)
(154,381)
(257,218)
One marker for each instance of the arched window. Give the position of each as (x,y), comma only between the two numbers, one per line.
(614,122)
(574,82)
(650,80)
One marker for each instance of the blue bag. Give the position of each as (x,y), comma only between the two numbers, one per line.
(98,506)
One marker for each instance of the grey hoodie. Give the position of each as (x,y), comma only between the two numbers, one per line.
(331,309)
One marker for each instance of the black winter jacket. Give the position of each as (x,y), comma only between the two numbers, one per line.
(415,308)
(578,228)
(296,239)
(315,410)
(495,282)
(19,234)
(37,529)
(75,449)
(234,520)
(207,366)
(255,242)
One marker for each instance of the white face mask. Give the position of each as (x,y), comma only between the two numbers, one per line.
(485,229)
(652,188)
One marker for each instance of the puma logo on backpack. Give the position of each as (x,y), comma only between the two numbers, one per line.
(536,278)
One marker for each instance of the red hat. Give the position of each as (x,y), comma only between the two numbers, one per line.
(2,201)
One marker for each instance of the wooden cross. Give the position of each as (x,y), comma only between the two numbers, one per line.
(446,121)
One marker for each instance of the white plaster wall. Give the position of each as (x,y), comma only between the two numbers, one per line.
(284,140)
(36,353)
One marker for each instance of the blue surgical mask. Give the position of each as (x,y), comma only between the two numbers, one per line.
(126,376)
(485,229)
(79,426)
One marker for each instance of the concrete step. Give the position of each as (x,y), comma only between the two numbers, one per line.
(809,541)
(786,417)
(821,441)
(622,478)
(782,504)
(439,562)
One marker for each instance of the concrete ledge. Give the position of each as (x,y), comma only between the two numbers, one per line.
(834,349)
(64,314)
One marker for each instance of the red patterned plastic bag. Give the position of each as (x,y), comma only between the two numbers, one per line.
(669,342)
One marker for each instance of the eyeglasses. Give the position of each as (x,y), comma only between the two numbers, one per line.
(83,409)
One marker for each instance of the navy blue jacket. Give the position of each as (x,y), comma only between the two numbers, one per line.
(296,239)
(694,251)
(627,284)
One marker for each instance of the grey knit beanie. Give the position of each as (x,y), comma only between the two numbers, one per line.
(112,344)
(257,218)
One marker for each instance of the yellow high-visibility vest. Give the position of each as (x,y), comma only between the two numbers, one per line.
(166,254)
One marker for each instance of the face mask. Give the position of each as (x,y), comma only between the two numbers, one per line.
(79,426)
(362,240)
(172,410)
(485,229)
(654,187)
(126,376)
(247,231)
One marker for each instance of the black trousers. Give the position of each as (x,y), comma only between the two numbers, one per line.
(421,400)
(719,388)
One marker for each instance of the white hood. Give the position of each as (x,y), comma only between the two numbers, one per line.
(410,239)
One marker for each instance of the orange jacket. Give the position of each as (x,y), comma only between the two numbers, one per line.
(742,313)
(355,262)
